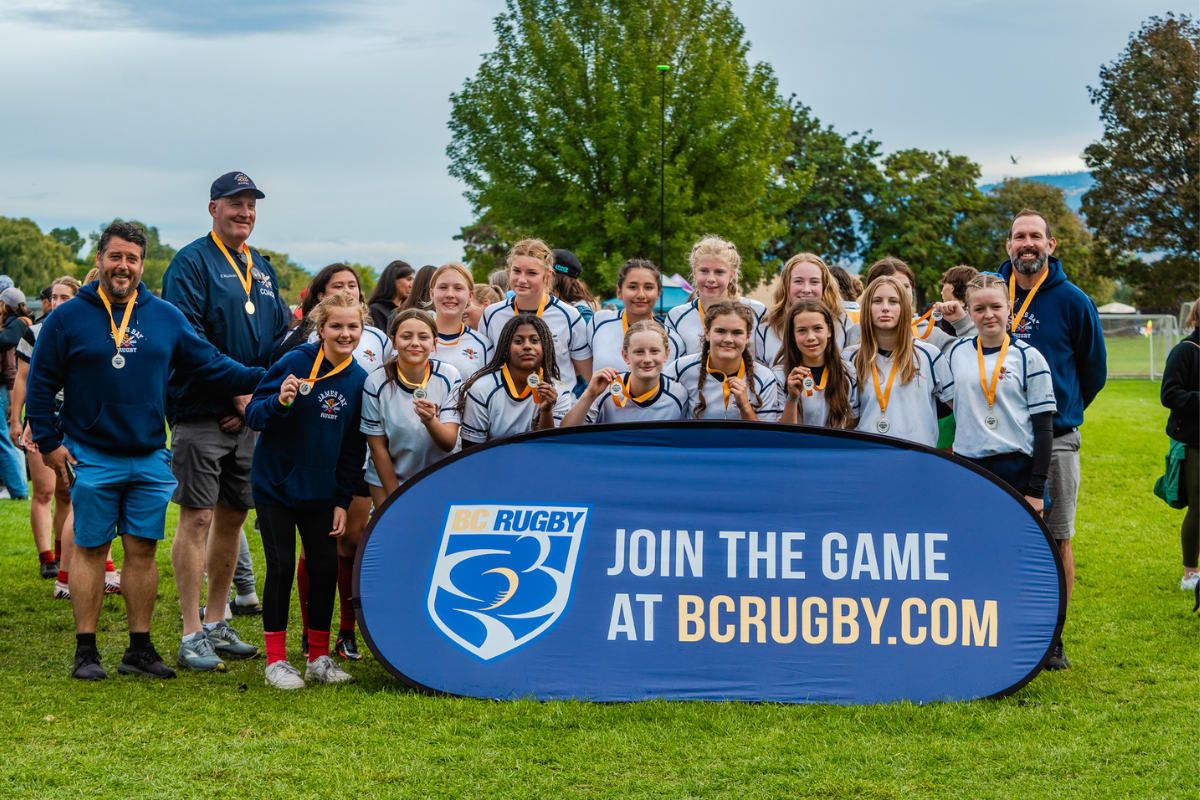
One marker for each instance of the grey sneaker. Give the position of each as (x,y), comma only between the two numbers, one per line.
(283,675)
(197,655)
(323,670)
(225,641)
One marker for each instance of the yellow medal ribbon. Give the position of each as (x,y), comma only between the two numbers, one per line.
(513,389)
(421,385)
(820,386)
(990,393)
(541,306)
(928,328)
(247,279)
(626,394)
(455,341)
(741,373)
(883,396)
(118,333)
(1012,293)
(312,375)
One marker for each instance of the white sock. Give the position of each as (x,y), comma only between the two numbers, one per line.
(187,637)
(247,599)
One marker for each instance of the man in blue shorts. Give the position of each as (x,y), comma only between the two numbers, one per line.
(111,353)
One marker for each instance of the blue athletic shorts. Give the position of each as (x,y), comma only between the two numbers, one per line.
(118,494)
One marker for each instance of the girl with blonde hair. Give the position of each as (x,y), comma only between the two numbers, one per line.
(715,267)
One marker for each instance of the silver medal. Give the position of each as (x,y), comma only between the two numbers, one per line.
(419,394)
(883,426)
(305,388)
(118,361)
(615,388)
(533,381)
(937,315)
(991,421)
(809,383)
(249,306)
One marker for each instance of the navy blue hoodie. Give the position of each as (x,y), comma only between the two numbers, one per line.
(119,411)
(1063,325)
(294,461)
(202,285)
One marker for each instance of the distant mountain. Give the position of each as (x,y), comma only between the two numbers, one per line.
(1073,184)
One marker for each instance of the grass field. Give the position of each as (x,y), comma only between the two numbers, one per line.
(1121,723)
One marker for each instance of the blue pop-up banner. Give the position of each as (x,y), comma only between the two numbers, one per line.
(709,560)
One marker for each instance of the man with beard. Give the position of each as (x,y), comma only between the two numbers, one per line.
(110,352)
(227,291)
(1061,322)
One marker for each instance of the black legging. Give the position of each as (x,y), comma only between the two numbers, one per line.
(1189,532)
(278,526)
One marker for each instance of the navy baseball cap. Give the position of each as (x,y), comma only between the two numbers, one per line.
(566,263)
(232,183)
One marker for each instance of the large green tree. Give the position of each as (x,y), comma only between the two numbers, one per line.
(844,177)
(920,211)
(558,133)
(1147,193)
(31,258)
(158,254)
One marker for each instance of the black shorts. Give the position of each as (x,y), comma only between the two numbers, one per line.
(362,488)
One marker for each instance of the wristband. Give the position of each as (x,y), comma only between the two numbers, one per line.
(287,404)
(791,399)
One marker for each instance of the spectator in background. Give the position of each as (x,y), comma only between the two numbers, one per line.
(419,296)
(1181,394)
(499,279)
(568,287)
(485,295)
(1055,317)
(228,292)
(14,321)
(954,291)
(392,289)
(850,288)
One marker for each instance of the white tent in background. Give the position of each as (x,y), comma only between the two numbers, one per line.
(1116,308)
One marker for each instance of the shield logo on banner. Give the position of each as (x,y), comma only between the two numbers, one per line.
(504,574)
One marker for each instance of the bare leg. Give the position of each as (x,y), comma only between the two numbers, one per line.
(39,506)
(87,586)
(139,581)
(224,541)
(357,517)
(1068,559)
(68,541)
(187,558)
(62,505)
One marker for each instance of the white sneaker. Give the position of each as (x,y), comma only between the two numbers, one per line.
(1188,584)
(283,675)
(323,670)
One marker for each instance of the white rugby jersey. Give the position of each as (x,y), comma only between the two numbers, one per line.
(372,351)
(468,352)
(938,337)
(492,411)
(687,321)
(1023,388)
(815,411)
(767,343)
(911,411)
(566,326)
(387,410)
(686,371)
(669,402)
(28,340)
(606,335)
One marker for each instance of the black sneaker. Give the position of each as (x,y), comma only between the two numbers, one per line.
(240,610)
(1058,659)
(87,666)
(49,569)
(144,661)
(304,643)
(347,646)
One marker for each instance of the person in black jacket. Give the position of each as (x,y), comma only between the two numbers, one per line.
(1181,393)
(392,289)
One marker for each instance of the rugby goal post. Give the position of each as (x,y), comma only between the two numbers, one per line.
(1138,344)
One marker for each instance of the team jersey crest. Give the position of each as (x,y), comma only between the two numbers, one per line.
(504,574)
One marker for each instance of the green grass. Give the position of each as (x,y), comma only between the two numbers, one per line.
(1129,356)
(1120,723)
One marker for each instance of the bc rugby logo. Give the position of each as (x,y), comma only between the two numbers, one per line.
(504,574)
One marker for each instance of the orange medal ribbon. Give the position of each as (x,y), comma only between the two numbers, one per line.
(741,373)
(247,279)
(882,396)
(118,333)
(541,306)
(312,375)
(421,385)
(820,386)
(525,392)
(1012,289)
(990,392)
(625,394)
(928,328)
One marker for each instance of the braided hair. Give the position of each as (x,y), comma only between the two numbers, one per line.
(744,313)
(504,345)
(837,386)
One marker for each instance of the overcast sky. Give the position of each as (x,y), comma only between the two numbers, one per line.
(338,111)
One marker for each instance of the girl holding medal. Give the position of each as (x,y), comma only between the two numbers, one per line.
(1003,395)
(900,375)
(306,464)
(819,387)
(531,278)
(639,395)
(639,285)
(804,275)
(519,389)
(725,360)
(410,414)
(715,264)
(452,293)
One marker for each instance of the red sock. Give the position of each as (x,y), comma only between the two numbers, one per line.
(46,555)
(345,572)
(57,549)
(318,644)
(276,646)
(62,575)
(302,591)
(109,567)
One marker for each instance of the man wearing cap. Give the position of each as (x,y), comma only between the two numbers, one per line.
(229,293)
(110,352)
